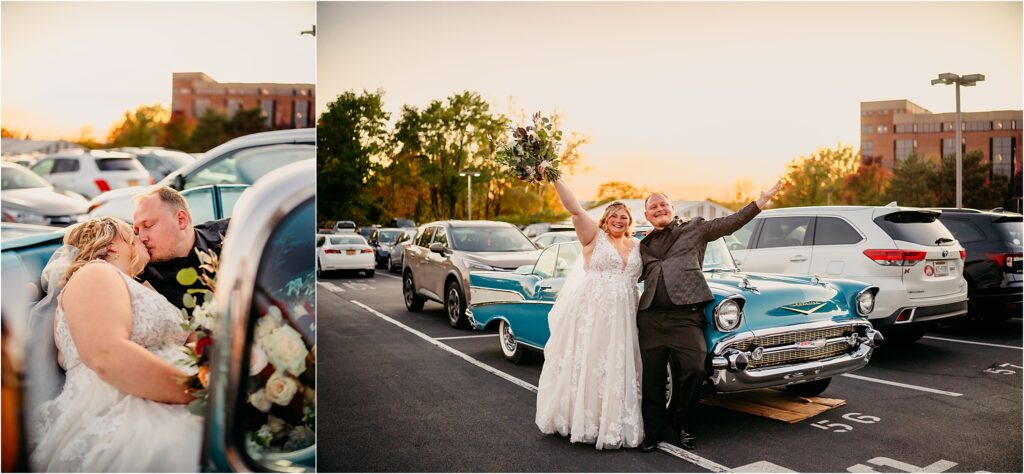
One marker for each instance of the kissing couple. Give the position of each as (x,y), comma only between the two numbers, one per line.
(603,380)
(113,308)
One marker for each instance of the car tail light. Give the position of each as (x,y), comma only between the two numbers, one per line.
(1006,260)
(332,251)
(151,180)
(895,258)
(366,251)
(102,184)
(963,254)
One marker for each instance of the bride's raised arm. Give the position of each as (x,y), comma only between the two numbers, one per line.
(101,329)
(586,228)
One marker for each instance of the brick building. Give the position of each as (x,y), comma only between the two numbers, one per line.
(893,129)
(283,105)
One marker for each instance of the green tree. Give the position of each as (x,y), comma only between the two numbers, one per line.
(177,132)
(868,185)
(612,190)
(816,179)
(141,127)
(246,122)
(981,190)
(352,141)
(911,183)
(209,131)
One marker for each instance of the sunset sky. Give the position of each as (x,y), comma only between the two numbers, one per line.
(72,65)
(680,97)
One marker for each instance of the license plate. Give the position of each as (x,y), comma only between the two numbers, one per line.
(133,182)
(941,268)
(350,252)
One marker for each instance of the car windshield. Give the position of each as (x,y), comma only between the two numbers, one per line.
(345,225)
(1009,229)
(718,257)
(404,223)
(119,164)
(388,236)
(348,240)
(18,178)
(490,239)
(176,158)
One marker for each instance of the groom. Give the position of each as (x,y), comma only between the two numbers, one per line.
(671,312)
(163,222)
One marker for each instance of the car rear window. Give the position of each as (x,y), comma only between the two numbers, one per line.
(119,164)
(964,230)
(389,236)
(1010,229)
(920,228)
(348,240)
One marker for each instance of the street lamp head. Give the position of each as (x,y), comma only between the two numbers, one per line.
(971,79)
(472,173)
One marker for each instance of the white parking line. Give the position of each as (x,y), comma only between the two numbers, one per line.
(973,342)
(464,337)
(668,448)
(904,385)
(387,275)
(330,286)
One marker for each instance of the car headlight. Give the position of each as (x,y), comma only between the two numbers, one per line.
(727,315)
(24,217)
(865,302)
(472,265)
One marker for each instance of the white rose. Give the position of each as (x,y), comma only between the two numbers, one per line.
(299,311)
(260,401)
(286,350)
(270,321)
(257,360)
(281,388)
(275,424)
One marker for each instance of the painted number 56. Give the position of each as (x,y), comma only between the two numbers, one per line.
(1004,370)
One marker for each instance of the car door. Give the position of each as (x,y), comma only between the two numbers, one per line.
(416,254)
(436,266)
(836,241)
(741,241)
(783,246)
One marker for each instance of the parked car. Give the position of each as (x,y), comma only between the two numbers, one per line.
(641,231)
(160,162)
(30,199)
(397,258)
(267,263)
(548,239)
(91,172)
(533,230)
(383,240)
(367,231)
(993,267)
(402,223)
(763,330)
(344,252)
(242,160)
(439,260)
(344,227)
(906,252)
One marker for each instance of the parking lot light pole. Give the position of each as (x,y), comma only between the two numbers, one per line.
(469,174)
(966,81)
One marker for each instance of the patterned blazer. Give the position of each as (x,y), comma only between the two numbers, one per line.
(681,265)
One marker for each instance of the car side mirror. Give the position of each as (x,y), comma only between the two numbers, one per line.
(524,270)
(438,247)
(178,183)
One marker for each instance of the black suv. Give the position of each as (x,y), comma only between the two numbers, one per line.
(993,266)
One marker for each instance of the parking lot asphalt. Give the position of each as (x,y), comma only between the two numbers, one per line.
(401,391)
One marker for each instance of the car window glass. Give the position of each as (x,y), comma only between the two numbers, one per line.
(740,239)
(544,241)
(1011,230)
(490,239)
(388,236)
(43,168)
(783,232)
(228,197)
(963,230)
(148,162)
(440,236)
(278,412)
(545,267)
(348,240)
(567,255)
(200,204)
(247,165)
(21,178)
(320,241)
(916,227)
(65,165)
(119,164)
(424,239)
(717,256)
(834,231)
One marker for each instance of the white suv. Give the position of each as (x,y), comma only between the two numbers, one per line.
(912,258)
(92,172)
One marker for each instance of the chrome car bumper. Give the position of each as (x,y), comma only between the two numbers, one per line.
(794,354)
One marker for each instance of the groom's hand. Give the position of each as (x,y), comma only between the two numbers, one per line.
(767,196)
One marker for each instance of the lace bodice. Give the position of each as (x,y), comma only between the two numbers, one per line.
(606,260)
(156,325)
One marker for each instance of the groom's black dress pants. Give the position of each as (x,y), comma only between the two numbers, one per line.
(676,335)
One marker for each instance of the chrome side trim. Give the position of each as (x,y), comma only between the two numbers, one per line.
(480,296)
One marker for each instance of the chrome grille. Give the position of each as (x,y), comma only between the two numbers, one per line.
(798,355)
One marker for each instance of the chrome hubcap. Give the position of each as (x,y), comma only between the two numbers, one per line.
(453,304)
(508,340)
(408,290)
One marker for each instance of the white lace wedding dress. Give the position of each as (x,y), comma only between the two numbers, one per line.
(93,427)
(589,387)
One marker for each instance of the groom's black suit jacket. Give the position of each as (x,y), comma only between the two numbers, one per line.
(677,268)
(164,275)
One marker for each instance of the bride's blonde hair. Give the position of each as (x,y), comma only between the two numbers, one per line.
(608,212)
(92,237)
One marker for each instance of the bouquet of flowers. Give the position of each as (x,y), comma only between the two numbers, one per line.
(201,323)
(529,147)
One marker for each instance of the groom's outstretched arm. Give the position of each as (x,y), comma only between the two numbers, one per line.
(722,226)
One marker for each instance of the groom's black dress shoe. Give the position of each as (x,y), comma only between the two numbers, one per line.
(649,445)
(686,440)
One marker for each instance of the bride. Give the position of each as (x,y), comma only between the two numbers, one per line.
(589,387)
(122,405)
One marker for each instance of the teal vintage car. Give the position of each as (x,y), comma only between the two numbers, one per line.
(266,265)
(762,330)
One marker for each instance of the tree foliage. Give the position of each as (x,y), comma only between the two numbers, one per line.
(141,127)
(612,190)
(817,179)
